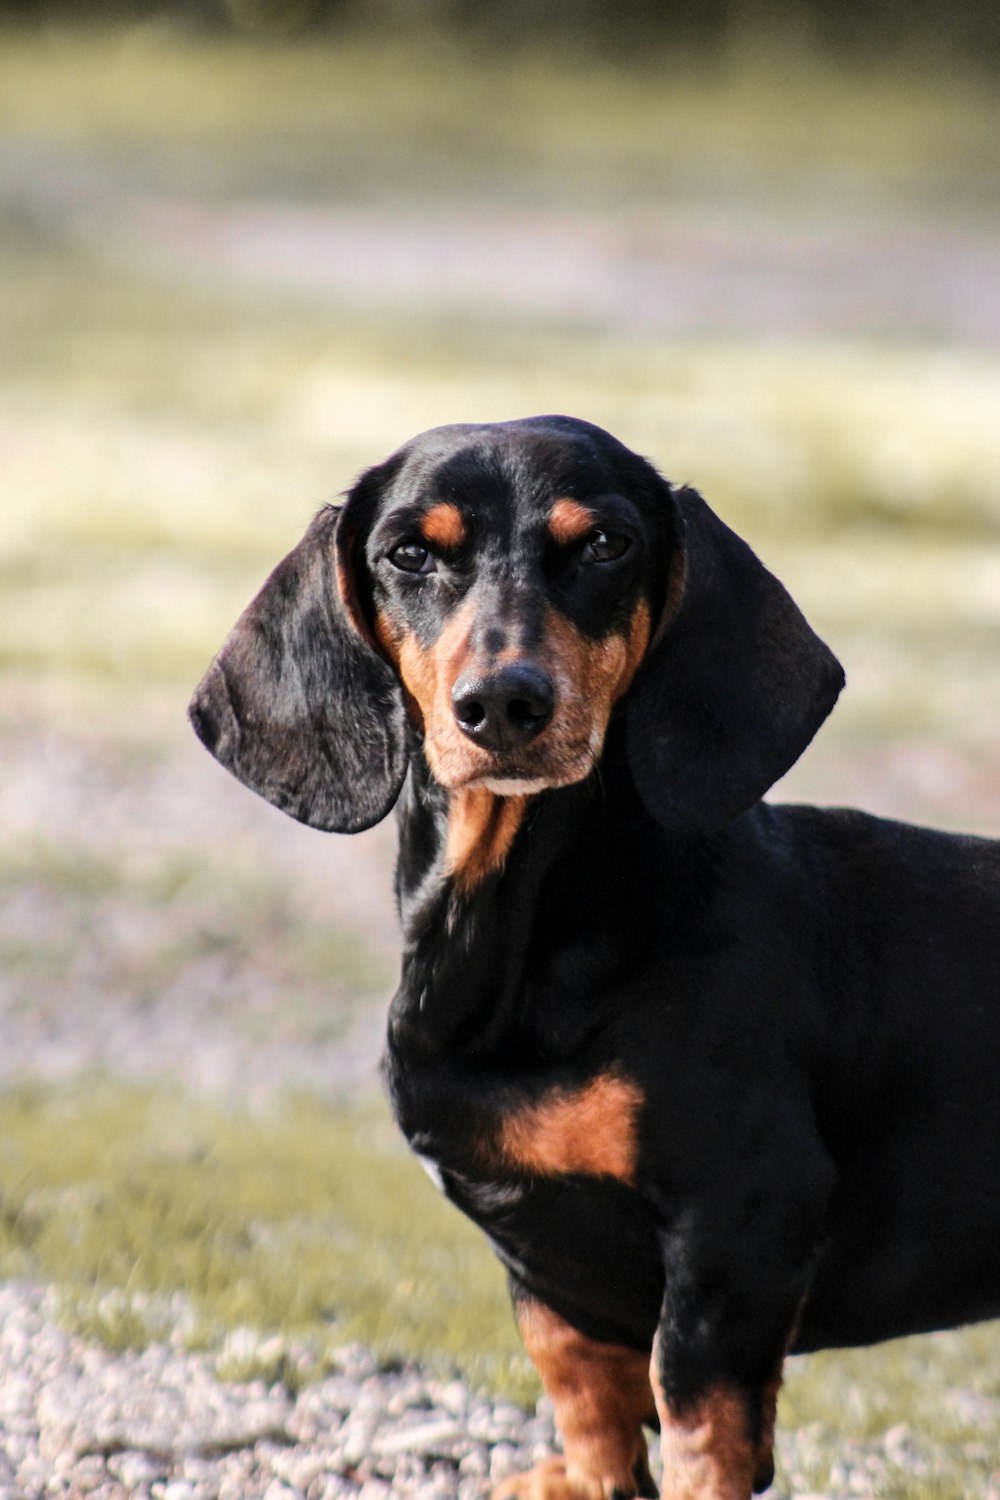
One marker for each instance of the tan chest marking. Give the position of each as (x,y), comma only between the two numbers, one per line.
(481,829)
(592,1130)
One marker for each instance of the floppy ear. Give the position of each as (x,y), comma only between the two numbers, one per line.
(734,687)
(298,705)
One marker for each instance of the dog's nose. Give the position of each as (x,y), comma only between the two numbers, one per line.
(503,707)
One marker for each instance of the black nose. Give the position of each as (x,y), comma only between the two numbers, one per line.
(504,707)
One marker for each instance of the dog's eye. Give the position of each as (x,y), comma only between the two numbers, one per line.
(413,557)
(605,546)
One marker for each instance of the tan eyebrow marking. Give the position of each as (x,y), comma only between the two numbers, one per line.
(443,525)
(569,521)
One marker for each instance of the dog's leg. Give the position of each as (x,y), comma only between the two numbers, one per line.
(601,1395)
(707,1447)
(739,1257)
(717,1444)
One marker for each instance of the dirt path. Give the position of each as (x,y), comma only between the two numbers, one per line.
(810,267)
(158,922)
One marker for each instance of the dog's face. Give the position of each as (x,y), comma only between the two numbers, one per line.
(511,574)
(489,597)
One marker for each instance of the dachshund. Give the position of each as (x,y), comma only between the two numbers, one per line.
(717,1078)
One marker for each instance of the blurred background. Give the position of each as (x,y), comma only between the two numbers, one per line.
(247,247)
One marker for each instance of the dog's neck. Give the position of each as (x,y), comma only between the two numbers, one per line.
(471,868)
(476,873)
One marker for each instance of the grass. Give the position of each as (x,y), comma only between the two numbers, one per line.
(164,443)
(301,1226)
(147,498)
(201,905)
(922,1410)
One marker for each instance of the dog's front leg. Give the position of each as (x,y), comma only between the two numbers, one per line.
(601,1396)
(715,1375)
(716,1445)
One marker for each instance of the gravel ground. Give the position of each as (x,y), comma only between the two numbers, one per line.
(79,1420)
(76,1419)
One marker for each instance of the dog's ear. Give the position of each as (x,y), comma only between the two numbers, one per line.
(299,705)
(734,686)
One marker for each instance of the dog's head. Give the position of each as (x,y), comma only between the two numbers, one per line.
(494,593)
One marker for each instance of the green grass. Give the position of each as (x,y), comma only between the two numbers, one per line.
(909,1381)
(163,444)
(298,1225)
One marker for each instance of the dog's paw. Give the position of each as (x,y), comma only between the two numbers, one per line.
(552,1480)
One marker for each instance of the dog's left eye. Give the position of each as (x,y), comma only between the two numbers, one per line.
(413,557)
(605,546)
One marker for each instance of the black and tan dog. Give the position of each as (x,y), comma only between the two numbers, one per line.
(718,1079)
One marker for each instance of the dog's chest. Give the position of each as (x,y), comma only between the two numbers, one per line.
(492,1124)
(547,1168)
(550,1175)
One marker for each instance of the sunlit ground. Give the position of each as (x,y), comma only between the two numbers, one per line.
(171,413)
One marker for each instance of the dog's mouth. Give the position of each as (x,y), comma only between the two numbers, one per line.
(521,775)
(514,784)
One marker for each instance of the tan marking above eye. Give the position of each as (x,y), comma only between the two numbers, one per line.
(443,525)
(569,521)
(592,1130)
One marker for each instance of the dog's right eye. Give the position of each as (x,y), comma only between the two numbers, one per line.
(605,546)
(413,557)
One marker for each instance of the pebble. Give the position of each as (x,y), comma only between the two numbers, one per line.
(81,1422)
(77,1419)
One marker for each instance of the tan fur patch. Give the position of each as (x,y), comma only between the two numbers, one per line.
(481,825)
(443,525)
(427,677)
(601,1396)
(592,676)
(349,599)
(569,521)
(706,1447)
(481,829)
(590,1130)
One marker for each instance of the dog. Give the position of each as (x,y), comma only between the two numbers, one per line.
(717,1078)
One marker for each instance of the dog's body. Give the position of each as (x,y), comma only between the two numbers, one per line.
(717,1078)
